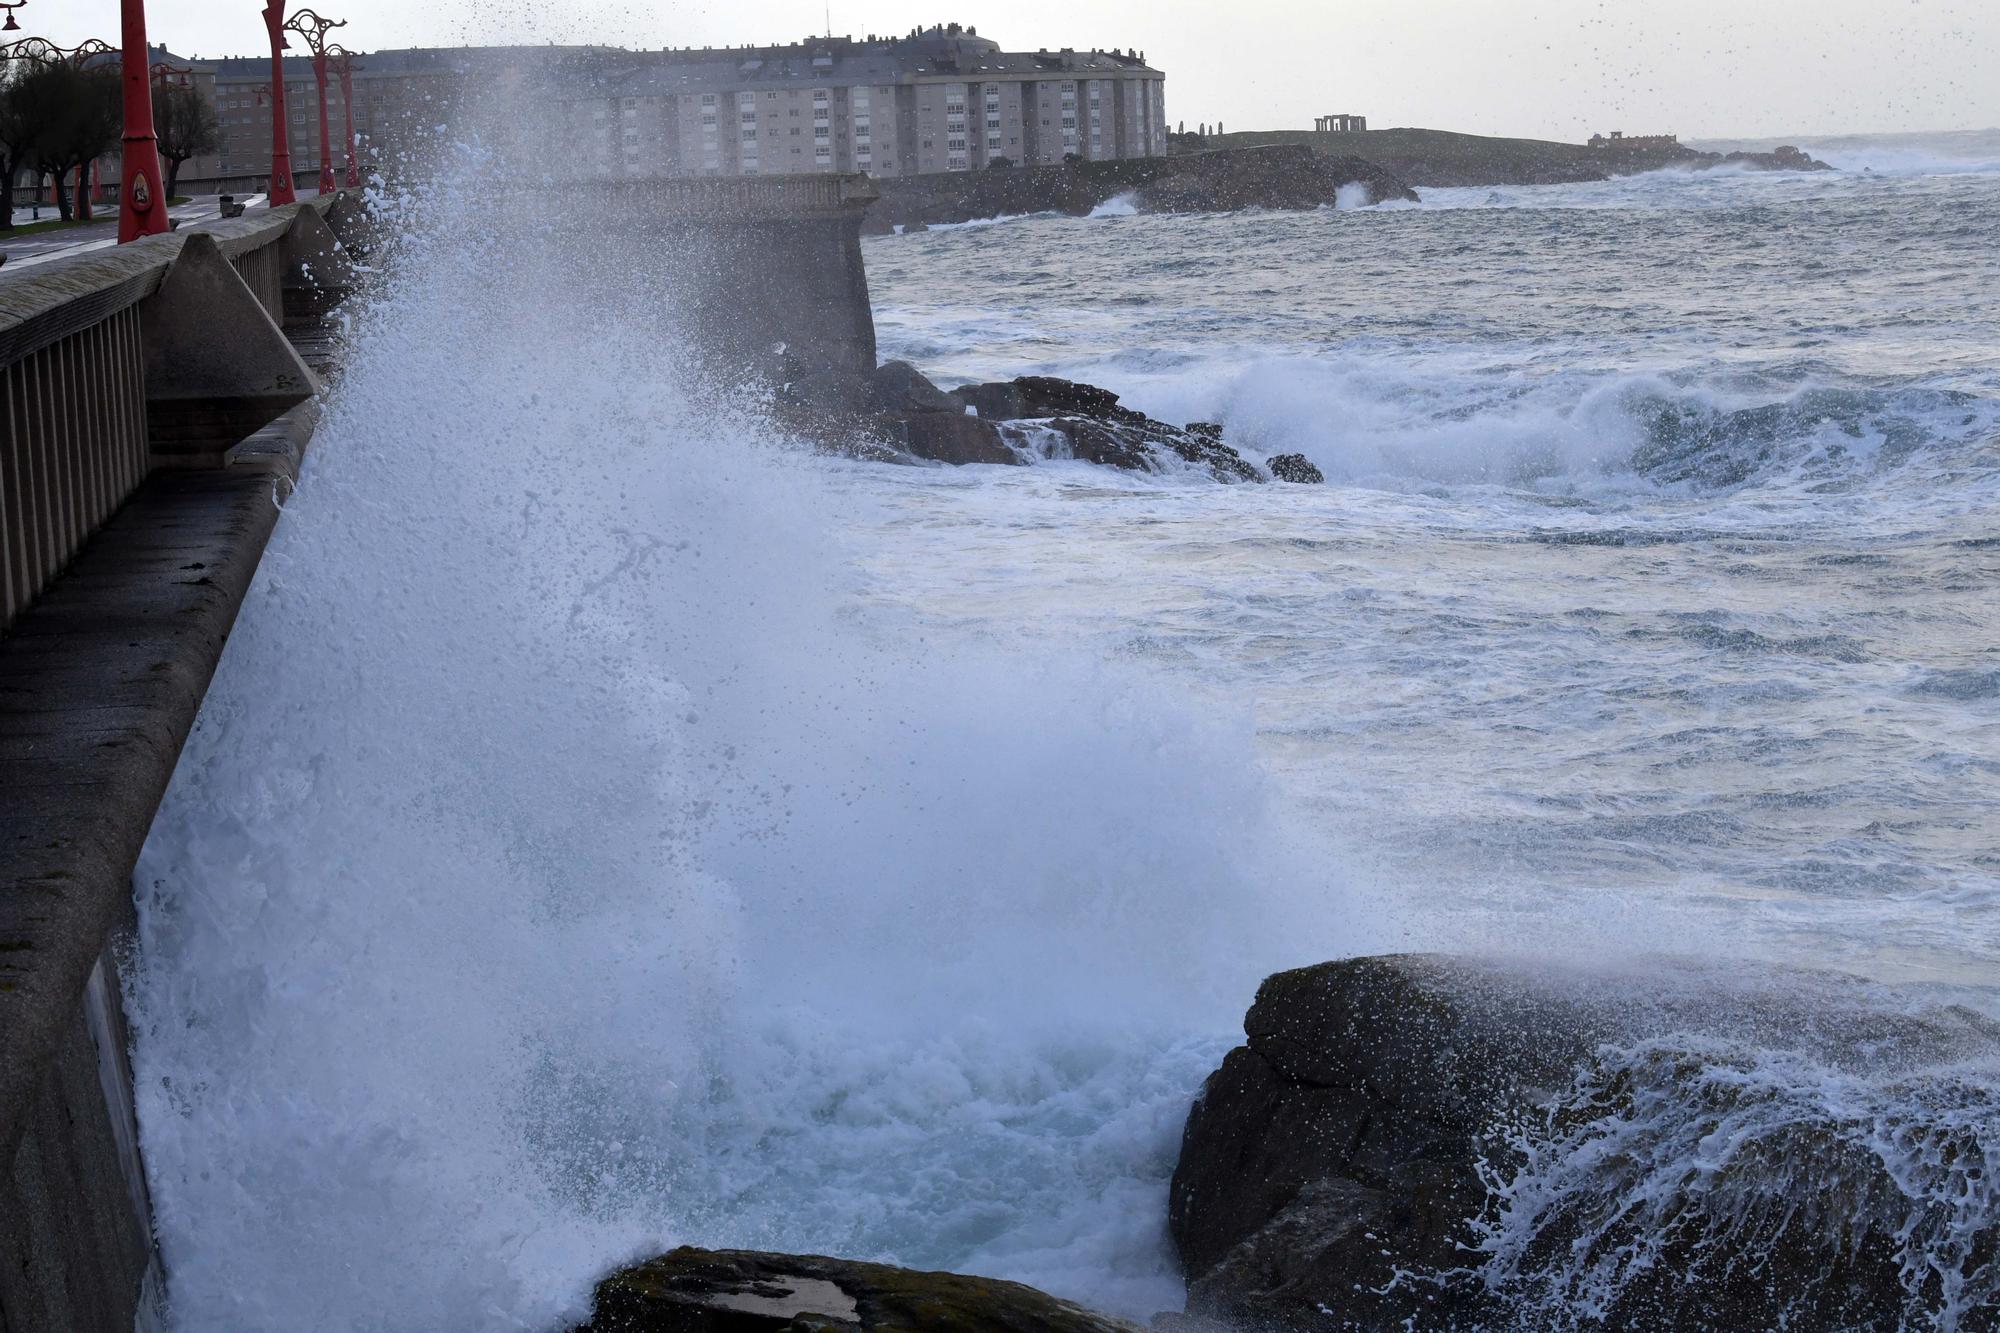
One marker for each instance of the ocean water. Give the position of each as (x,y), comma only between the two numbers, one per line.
(617,825)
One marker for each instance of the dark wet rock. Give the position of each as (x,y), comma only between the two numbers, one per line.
(1296,468)
(1099,429)
(1206,430)
(1784,158)
(1352,1165)
(898,386)
(896,409)
(1281,176)
(739,1291)
(953,437)
(995,402)
(1106,444)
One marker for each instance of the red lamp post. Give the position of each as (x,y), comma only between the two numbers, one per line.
(344,66)
(314,29)
(142,205)
(282,192)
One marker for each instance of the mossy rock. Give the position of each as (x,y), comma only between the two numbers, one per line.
(741,1291)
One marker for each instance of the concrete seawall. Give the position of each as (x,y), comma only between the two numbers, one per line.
(155,420)
(760,276)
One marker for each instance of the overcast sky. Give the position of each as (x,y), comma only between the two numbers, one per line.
(1544,68)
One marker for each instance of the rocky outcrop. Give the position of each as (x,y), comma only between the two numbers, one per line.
(1438,159)
(897,412)
(1278,177)
(1296,468)
(1094,427)
(739,1291)
(1221,181)
(1444,1144)
(1784,158)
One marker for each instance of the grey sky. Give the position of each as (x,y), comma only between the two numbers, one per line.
(1547,68)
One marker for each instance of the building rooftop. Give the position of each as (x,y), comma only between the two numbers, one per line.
(946,50)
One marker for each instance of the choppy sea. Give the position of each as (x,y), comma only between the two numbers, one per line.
(637,829)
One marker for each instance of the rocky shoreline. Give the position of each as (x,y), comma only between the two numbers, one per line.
(1438,1142)
(1442,159)
(1387,1151)
(1284,177)
(898,415)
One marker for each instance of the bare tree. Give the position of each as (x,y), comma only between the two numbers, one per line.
(187,126)
(71,116)
(16,140)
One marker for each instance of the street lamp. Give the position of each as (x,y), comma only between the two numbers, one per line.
(314,29)
(142,205)
(165,75)
(10,6)
(282,192)
(344,66)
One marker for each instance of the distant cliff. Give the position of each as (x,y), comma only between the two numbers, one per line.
(1440,159)
(1284,176)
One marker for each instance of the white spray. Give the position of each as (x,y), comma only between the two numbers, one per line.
(567,864)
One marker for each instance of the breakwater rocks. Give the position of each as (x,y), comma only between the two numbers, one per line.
(897,413)
(738,1291)
(1280,177)
(1447,1144)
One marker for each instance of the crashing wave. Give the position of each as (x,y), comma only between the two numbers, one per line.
(1817,1197)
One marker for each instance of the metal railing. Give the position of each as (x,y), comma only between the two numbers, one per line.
(75,414)
(73,440)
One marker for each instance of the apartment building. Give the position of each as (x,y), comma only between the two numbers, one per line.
(939,99)
(935,100)
(407,103)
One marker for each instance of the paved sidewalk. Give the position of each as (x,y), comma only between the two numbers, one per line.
(23,251)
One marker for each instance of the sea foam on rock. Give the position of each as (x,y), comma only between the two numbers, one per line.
(1448,1144)
(897,409)
(741,1291)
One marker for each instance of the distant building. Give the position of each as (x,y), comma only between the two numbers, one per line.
(939,99)
(1340,124)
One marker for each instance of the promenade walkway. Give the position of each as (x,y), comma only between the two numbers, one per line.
(43,246)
